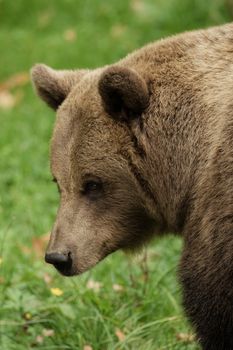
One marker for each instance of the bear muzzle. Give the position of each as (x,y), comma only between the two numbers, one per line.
(61,261)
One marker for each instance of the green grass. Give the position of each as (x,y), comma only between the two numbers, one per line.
(148,310)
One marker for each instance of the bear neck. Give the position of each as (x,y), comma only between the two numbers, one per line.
(175,135)
(187,78)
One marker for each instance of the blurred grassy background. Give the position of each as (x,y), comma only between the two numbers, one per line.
(122,303)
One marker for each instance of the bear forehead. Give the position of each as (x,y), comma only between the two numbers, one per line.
(83,118)
(85,136)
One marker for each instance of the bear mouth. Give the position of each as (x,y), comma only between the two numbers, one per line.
(65,269)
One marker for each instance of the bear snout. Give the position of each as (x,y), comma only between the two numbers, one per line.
(61,261)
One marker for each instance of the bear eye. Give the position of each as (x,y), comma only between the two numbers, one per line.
(92,189)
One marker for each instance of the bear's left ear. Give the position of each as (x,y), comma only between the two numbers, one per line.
(52,85)
(124,93)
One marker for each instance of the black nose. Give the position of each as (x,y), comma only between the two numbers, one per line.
(62,262)
(56,258)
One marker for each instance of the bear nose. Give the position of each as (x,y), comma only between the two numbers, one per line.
(61,261)
(57,258)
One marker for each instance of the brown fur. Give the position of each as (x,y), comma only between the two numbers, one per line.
(154,132)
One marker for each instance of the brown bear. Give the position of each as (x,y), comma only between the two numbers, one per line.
(144,147)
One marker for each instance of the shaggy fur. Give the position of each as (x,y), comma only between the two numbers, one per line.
(144,147)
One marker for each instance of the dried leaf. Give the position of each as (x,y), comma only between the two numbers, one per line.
(87,347)
(48,332)
(117,287)
(39,244)
(94,285)
(185,337)
(56,291)
(47,278)
(137,6)
(39,339)
(120,335)
(7,100)
(70,35)
(15,80)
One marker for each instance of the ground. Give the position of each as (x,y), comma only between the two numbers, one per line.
(124,303)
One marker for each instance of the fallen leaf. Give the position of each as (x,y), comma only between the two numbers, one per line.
(48,332)
(94,285)
(39,244)
(70,35)
(137,5)
(120,335)
(117,287)
(87,347)
(15,80)
(185,337)
(7,100)
(39,339)
(47,278)
(56,291)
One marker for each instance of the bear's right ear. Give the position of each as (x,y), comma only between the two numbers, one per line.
(53,86)
(124,93)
